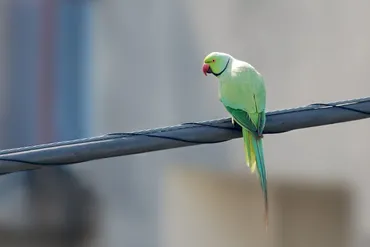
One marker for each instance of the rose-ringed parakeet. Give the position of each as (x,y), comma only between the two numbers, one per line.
(242,92)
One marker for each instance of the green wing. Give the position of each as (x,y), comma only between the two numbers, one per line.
(261,123)
(244,120)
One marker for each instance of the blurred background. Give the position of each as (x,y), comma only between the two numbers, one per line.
(77,68)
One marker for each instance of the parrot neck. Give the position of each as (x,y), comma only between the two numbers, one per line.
(222,71)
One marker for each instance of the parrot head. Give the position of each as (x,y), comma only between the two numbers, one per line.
(216,63)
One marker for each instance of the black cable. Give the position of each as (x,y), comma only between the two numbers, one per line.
(125,134)
(162,137)
(342,107)
(213,126)
(31,162)
(206,124)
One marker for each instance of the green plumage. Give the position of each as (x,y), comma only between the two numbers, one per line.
(242,92)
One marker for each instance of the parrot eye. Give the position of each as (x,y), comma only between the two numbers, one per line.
(213,60)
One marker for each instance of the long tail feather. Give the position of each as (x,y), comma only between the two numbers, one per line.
(255,158)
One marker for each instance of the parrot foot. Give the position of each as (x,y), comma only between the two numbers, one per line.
(232,121)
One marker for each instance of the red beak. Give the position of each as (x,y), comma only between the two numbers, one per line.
(206,69)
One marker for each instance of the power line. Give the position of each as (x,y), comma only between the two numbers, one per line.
(186,134)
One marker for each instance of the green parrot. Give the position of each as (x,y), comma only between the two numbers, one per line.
(242,91)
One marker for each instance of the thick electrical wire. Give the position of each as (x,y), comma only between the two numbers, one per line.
(166,133)
(315,106)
